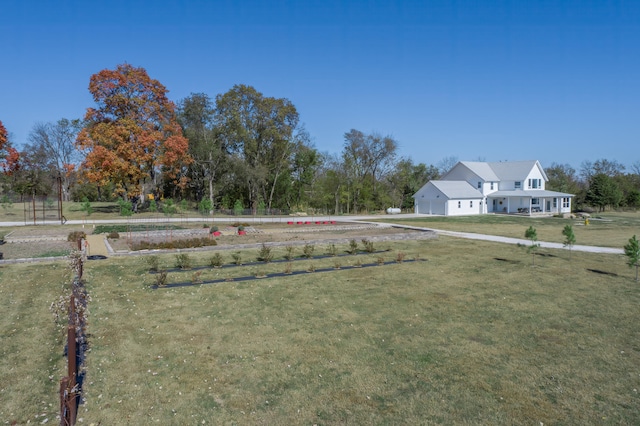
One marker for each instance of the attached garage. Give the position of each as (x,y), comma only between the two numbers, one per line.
(448,198)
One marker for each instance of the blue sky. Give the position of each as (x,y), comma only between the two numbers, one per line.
(556,81)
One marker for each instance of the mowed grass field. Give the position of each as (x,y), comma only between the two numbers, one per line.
(610,229)
(473,334)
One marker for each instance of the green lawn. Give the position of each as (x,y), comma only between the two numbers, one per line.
(473,334)
(611,229)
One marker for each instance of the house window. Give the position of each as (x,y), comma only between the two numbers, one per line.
(518,185)
(535,201)
(492,186)
(471,203)
(459,204)
(566,202)
(555,203)
(479,184)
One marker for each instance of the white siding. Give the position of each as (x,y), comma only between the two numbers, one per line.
(463,207)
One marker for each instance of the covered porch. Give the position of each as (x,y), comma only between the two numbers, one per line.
(529,202)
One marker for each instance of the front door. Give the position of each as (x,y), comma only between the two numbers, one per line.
(548,205)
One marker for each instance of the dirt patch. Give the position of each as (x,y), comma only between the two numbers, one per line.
(36,249)
(269,234)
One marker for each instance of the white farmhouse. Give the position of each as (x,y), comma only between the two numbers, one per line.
(473,187)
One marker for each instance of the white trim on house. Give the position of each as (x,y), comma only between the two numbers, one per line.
(479,187)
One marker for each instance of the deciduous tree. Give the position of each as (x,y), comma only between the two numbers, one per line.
(260,133)
(57,141)
(209,152)
(132,135)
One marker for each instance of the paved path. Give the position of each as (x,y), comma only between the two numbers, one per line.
(96,245)
(363,218)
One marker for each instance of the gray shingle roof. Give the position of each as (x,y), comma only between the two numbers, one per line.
(482,169)
(456,189)
(513,170)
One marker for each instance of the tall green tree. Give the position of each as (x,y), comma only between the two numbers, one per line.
(210,154)
(632,251)
(603,192)
(368,159)
(260,132)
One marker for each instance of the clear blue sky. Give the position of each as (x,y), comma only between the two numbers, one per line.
(557,81)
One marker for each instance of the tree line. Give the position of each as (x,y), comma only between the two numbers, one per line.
(237,150)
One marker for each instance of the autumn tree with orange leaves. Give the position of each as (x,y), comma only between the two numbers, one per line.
(132,138)
(9,156)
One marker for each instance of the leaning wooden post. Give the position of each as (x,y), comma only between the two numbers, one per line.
(72,362)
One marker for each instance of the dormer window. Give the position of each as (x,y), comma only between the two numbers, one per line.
(479,184)
(518,185)
(492,186)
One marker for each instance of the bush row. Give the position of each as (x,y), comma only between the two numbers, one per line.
(175,244)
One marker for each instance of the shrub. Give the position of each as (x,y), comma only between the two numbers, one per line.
(175,244)
(153,262)
(265,255)
(237,258)
(216,260)
(308,250)
(288,268)
(331,250)
(311,268)
(400,256)
(213,229)
(161,278)
(380,260)
(368,245)
(289,252)
(113,235)
(126,208)
(183,261)
(76,235)
(353,247)
(195,277)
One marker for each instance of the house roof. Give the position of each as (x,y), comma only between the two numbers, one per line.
(514,170)
(456,189)
(482,169)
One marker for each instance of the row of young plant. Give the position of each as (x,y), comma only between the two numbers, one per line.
(631,249)
(265,255)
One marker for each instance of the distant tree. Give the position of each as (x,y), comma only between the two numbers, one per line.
(260,133)
(133,135)
(209,152)
(603,192)
(447,164)
(532,235)
(603,166)
(9,156)
(57,141)
(569,238)
(407,179)
(562,178)
(632,251)
(367,160)
(4,136)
